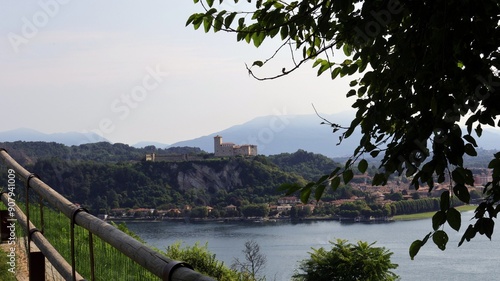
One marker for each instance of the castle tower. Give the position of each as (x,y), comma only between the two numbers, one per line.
(217,144)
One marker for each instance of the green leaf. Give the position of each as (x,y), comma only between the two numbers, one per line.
(335,183)
(468,235)
(363,165)
(241,22)
(305,193)
(352,69)
(325,65)
(289,188)
(258,63)
(415,247)
(454,218)
(458,175)
(336,72)
(347,50)
(438,219)
(374,153)
(485,226)
(379,179)
(284,32)
(462,193)
(273,32)
(470,139)
(351,93)
(440,238)
(229,19)
(258,38)
(210,3)
(319,192)
(470,150)
(347,175)
(218,23)
(322,179)
(362,91)
(197,21)
(191,19)
(479,130)
(445,201)
(207,23)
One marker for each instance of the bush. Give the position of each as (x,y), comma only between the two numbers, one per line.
(345,261)
(202,260)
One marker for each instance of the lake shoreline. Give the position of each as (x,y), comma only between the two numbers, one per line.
(406,217)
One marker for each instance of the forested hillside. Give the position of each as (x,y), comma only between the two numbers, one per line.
(105,176)
(163,184)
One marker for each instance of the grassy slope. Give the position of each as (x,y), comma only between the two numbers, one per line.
(5,275)
(426,215)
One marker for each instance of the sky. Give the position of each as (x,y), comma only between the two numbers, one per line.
(132,71)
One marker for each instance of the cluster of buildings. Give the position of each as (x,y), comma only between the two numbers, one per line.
(221,149)
(228,149)
(284,205)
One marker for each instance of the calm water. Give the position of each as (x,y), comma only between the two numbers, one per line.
(285,244)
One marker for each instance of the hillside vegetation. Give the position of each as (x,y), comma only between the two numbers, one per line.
(103,176)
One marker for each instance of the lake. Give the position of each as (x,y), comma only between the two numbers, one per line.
(286,243)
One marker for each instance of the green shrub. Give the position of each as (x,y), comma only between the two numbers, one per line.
(346,261)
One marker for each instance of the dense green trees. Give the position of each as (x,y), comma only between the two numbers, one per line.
(361,261)
(255,210)
(307,164)
(132,183)
(419,67)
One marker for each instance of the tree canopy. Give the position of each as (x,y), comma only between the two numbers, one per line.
(420,69)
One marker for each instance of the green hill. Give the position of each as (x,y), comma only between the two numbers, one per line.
(164,184)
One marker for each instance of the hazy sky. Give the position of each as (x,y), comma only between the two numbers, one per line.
(132,71)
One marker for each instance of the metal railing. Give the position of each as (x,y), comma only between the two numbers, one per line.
(151,260)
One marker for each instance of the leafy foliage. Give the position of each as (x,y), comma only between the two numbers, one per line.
(203,260)
(346,261)
(420,68)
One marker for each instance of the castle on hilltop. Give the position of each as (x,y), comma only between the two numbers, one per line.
(223,149)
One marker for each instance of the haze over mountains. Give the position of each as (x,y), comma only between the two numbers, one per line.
(276,134)
(273,134)
(68,138)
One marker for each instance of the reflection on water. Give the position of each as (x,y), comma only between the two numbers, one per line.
(285,244)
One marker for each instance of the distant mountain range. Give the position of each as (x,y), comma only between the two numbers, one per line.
(69,138)
(277,134)
(273,134)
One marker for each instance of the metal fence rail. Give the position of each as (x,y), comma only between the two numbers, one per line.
(148,258)
(59,263)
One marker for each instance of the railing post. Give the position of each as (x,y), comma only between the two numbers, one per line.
(37,266)
(5,232)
